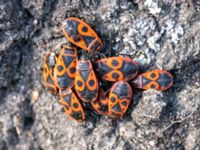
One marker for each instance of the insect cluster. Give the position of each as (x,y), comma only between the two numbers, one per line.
(79,81)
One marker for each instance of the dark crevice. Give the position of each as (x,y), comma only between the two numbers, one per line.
(27,114)
(3,145)
(3,94)
(21,17)
(16,56)
(12,137)
(183,76)
(128,146)
(14,63)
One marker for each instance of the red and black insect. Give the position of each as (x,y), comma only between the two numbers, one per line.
(86,83)
(81,34)
(77,80)
(72,105)
(100,105)
(120,97)
(65,67)
(156,79)
(117,68)
(48,72)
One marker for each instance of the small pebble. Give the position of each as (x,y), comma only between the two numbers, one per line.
(35,22)
(35,95)
(152,143)
(122,132)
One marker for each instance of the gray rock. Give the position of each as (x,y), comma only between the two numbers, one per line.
(157,34)
(149,108)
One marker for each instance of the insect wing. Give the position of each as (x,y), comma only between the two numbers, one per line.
(117,68)
(48,72)
(72,105)
(86,83)
(120,97)
(100,105)
(81,34)
(156,79)
(66,67)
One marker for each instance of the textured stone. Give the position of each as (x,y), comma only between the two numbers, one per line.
(149,108)
(157,34)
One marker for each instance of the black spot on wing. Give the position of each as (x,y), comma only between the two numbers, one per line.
(84,29)
(124,103)
(153,75)
(91,82)
(115,75)
(60,68)
(72,70)
(79,83)
(115,62)
(75,105)
(113,99)
(77,115)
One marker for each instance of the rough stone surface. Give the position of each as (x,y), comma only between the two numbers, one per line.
(157,34)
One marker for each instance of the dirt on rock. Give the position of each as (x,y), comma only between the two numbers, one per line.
(157,34)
